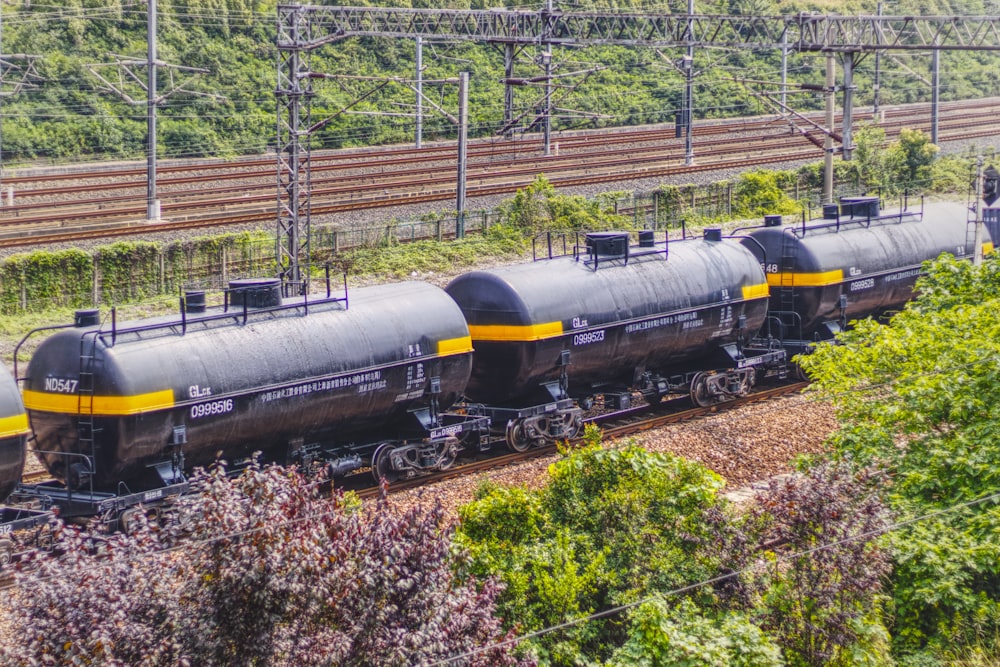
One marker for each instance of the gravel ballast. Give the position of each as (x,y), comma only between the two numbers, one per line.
(744,445)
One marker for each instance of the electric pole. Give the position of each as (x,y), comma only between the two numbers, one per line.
(831,99)
(152,203)
(878,73)
(689,89)
(419,84)
(463,127)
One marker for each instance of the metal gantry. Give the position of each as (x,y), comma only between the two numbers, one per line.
(304,28)
(805,32)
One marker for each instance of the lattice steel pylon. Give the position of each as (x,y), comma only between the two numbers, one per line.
(294,93)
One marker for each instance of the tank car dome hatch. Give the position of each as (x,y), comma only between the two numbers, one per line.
(616,318)
(90,317)
(255,292)
(156,390)
(853,265)
(13,434)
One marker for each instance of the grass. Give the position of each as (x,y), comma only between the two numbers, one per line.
(421,257)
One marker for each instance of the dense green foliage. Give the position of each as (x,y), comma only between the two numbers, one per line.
(918,398)
(70,113)
(611,525)
(128,271)
(538,207)
(619,528)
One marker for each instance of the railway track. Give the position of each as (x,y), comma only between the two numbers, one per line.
(39,233)
(388,177)
(614,425)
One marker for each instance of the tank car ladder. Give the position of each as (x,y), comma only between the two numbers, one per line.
(86,431)
(786,286)
(970,232)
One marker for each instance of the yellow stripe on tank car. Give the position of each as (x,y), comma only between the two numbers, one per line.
(821,279)
(756,291)
(102,405)
(14,425)
(987,248)
(525,332)
(455,345)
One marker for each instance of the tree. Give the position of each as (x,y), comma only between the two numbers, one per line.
(760,192)
(916,153)
(876,168)
(917,398)
(270,574)
(613,526)
(539,207)
(664,635)
(820,597)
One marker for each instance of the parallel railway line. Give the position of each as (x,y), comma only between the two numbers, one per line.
(244,192)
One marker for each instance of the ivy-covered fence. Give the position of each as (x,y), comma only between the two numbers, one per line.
(130,271)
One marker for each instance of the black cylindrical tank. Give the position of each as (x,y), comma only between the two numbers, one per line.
(13,434)
(218,385)
(653,313)
(872,261)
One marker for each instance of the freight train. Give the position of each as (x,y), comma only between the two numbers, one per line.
(401,378)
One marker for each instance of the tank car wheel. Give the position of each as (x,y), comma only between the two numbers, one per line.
(699,391)
(573,425)
(382,464)
(128,521)
(517,439)
(45,539)
(449,455)
(6,553)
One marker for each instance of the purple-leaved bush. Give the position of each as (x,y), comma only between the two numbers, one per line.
(268,574)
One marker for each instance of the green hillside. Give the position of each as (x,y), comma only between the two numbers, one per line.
(67,114)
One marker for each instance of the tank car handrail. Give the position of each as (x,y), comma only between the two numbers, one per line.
(548,242)
(227,314)
(17,349)
(807,225)
(894,218)
(763,250)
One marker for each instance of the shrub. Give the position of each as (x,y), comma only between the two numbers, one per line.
(269,574)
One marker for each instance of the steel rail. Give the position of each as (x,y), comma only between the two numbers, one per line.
(368,157)
(48,235)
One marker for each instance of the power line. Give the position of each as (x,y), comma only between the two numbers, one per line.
(707,582)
